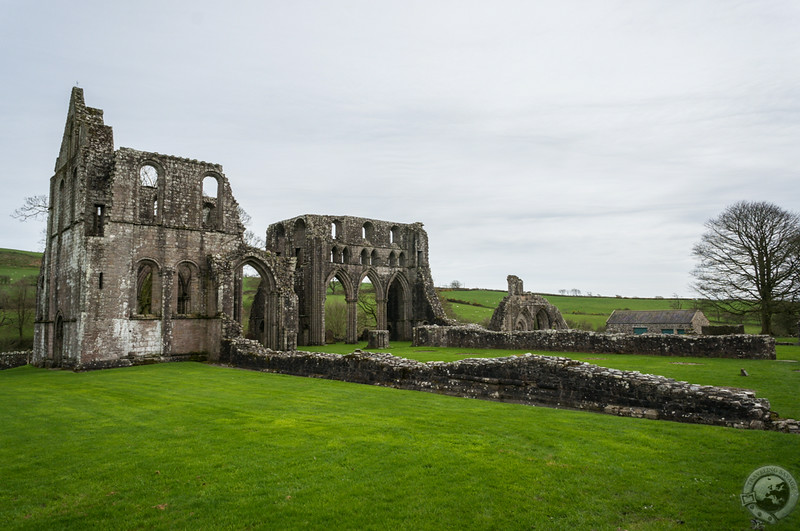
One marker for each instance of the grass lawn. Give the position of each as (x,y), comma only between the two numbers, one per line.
(193,446)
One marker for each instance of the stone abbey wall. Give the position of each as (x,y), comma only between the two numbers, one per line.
(528,379)
(350,250)
(731,346)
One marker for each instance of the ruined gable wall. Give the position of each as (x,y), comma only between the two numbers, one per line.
(81,168)
(524,310)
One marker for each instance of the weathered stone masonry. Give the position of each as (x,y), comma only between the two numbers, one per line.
(143,256)
(732,346)
(529,379)
(392,256)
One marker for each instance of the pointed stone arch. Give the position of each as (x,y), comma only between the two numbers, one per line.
(350,312)
(524,321)
(376,312)
(398,308)
(542,320)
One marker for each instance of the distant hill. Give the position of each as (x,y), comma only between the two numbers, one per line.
(16,264)
(582,312)
(15,258)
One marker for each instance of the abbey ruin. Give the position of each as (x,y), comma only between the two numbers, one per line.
(145,255)
(145,261)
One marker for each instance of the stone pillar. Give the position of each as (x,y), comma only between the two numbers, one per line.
(380,313)
(352,321)
(378,339)
(167,276)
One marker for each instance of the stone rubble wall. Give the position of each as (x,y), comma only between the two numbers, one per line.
(729,346)
(10,360)
(528,379)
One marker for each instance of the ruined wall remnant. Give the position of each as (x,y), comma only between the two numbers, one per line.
(521,310)
(11,360)
(141,255)
(529,379)
(392,256)
(732,346)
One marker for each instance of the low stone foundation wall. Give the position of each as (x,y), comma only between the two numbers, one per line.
(10,360)
(130,361)
(729,346)
(528,379)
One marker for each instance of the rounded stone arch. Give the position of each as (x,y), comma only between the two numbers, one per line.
(398,307)
(299,239)
(147,179)
(188,288)
(150,177)
(211,202)
(260,319)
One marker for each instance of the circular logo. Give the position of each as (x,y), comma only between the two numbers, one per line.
(770,493)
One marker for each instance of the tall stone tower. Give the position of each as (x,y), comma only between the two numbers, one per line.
(143,256)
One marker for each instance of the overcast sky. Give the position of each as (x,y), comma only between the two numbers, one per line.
(576,144)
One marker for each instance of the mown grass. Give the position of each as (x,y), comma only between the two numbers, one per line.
(192,446)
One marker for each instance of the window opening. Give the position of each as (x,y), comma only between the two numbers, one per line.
(148,176)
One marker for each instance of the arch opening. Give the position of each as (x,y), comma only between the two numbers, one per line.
(397,305)
(335,317)
(256,302)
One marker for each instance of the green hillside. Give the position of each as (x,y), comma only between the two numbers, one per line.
(18,264)
(580,312)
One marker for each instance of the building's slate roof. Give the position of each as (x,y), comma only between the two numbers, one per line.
(631,317)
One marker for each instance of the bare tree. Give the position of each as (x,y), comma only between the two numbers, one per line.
(368,310)
(336,319)
(749,260)
(34,207)
(456,284)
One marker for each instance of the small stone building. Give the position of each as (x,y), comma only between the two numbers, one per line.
(524,311)
(656,322)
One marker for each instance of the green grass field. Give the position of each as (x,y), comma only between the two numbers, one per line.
(193,446)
